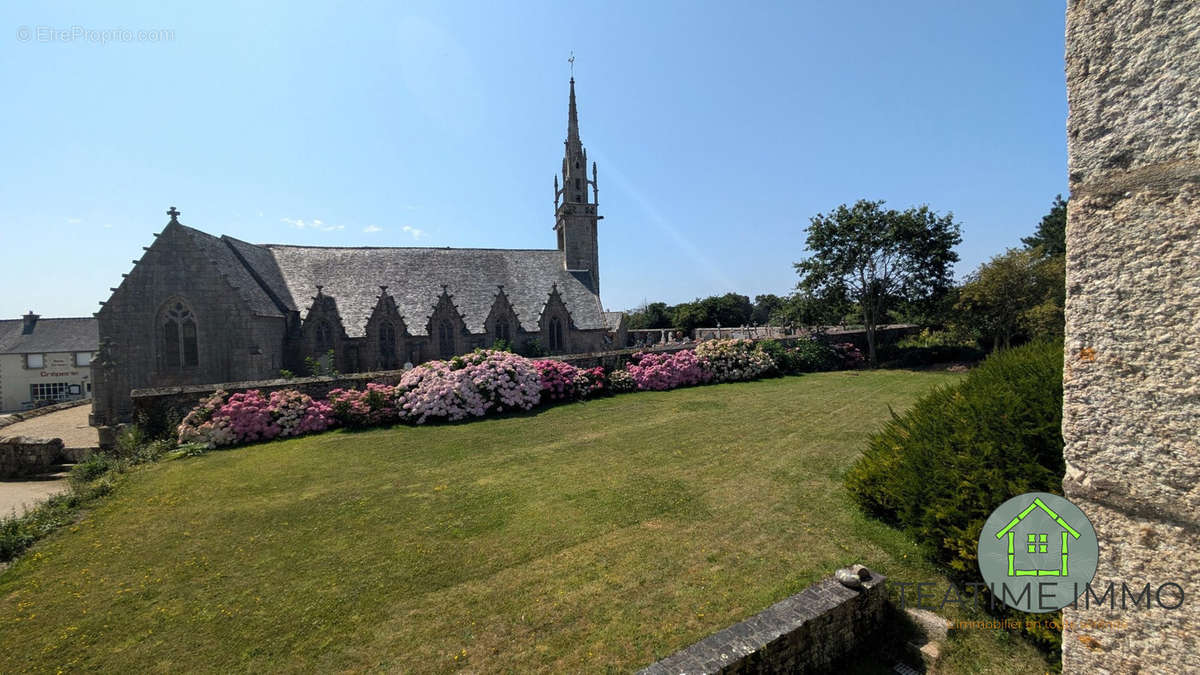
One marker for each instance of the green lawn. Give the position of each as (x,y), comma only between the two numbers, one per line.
(585,536)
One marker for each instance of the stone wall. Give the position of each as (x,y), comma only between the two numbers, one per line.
(157,409)
(21,456)
(1131,383)
(809,632)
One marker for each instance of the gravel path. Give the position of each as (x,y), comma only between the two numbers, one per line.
(16,496)
(71,425)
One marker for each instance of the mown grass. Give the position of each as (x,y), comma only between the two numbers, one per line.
(585,537)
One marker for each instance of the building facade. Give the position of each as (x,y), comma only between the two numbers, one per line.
(45,361)
(202,309)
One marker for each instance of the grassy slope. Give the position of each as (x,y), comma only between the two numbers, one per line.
(608,533)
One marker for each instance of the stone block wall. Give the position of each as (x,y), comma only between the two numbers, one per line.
(21,456)
(1131,382)
(809,632)
(157,409)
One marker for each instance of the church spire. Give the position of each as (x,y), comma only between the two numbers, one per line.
(576,219)
(572,120)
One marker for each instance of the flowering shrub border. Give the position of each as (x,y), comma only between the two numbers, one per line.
(470,385)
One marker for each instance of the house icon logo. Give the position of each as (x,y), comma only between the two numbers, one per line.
(1037,551)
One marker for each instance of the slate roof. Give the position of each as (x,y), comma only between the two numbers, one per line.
(275,279)
(612,320)
(222,255)
(415,278)
(50,335)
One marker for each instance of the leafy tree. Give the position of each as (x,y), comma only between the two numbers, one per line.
(1015,296)
(808,309)
(764,307)
(653,315)
(877,257)
(731,309)
(1051,233)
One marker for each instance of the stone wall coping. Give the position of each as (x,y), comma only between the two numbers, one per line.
(729,649)
(371,376)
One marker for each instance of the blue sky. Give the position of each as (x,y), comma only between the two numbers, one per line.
(719,129)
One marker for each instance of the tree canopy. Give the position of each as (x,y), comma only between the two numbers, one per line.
(877,257)
(1051,233)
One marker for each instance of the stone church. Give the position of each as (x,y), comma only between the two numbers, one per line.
(202,309)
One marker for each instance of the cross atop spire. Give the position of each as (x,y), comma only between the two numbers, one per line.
(174,212)
(571,60)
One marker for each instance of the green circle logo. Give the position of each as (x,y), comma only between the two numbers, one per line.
(1038,552)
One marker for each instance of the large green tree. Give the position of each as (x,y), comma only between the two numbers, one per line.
(652,315)
(764,306)
(806,309)
(1051,233)
(877,257)
(731,309)
(1016,296)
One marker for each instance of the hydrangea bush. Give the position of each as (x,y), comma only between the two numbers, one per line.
(504,380)
(733,360)
(557,378)
(590,382)
(248,416)
(661,371)
(849,355)
(199,426)
(368,407)
(468,386)
(620,381)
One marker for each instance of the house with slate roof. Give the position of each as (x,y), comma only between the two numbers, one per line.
(204,309)
(45,360)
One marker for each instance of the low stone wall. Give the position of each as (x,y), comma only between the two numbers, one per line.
(809,632)
(22,456)
(884,335)
(156,409)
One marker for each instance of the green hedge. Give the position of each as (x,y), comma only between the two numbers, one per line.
(940,469)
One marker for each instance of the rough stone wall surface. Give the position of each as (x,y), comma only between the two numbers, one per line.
(228,332)
(22,456)
(809,632)
(1131,385)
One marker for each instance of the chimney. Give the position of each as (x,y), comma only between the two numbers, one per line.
(30,322)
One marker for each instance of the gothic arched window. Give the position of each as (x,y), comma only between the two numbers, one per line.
(502,331)
(445,339)
(324,337)
(387,345)
(179,346)
(556,334)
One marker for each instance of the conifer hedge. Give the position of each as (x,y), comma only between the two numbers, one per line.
(940,469)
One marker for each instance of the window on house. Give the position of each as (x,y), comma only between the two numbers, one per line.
(35,361)
(445,339)
(48,391)
(556,335)
(179,341)
(82,359)
(502,331)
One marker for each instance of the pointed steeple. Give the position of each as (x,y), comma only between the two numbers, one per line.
(572,120)
(575,213)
